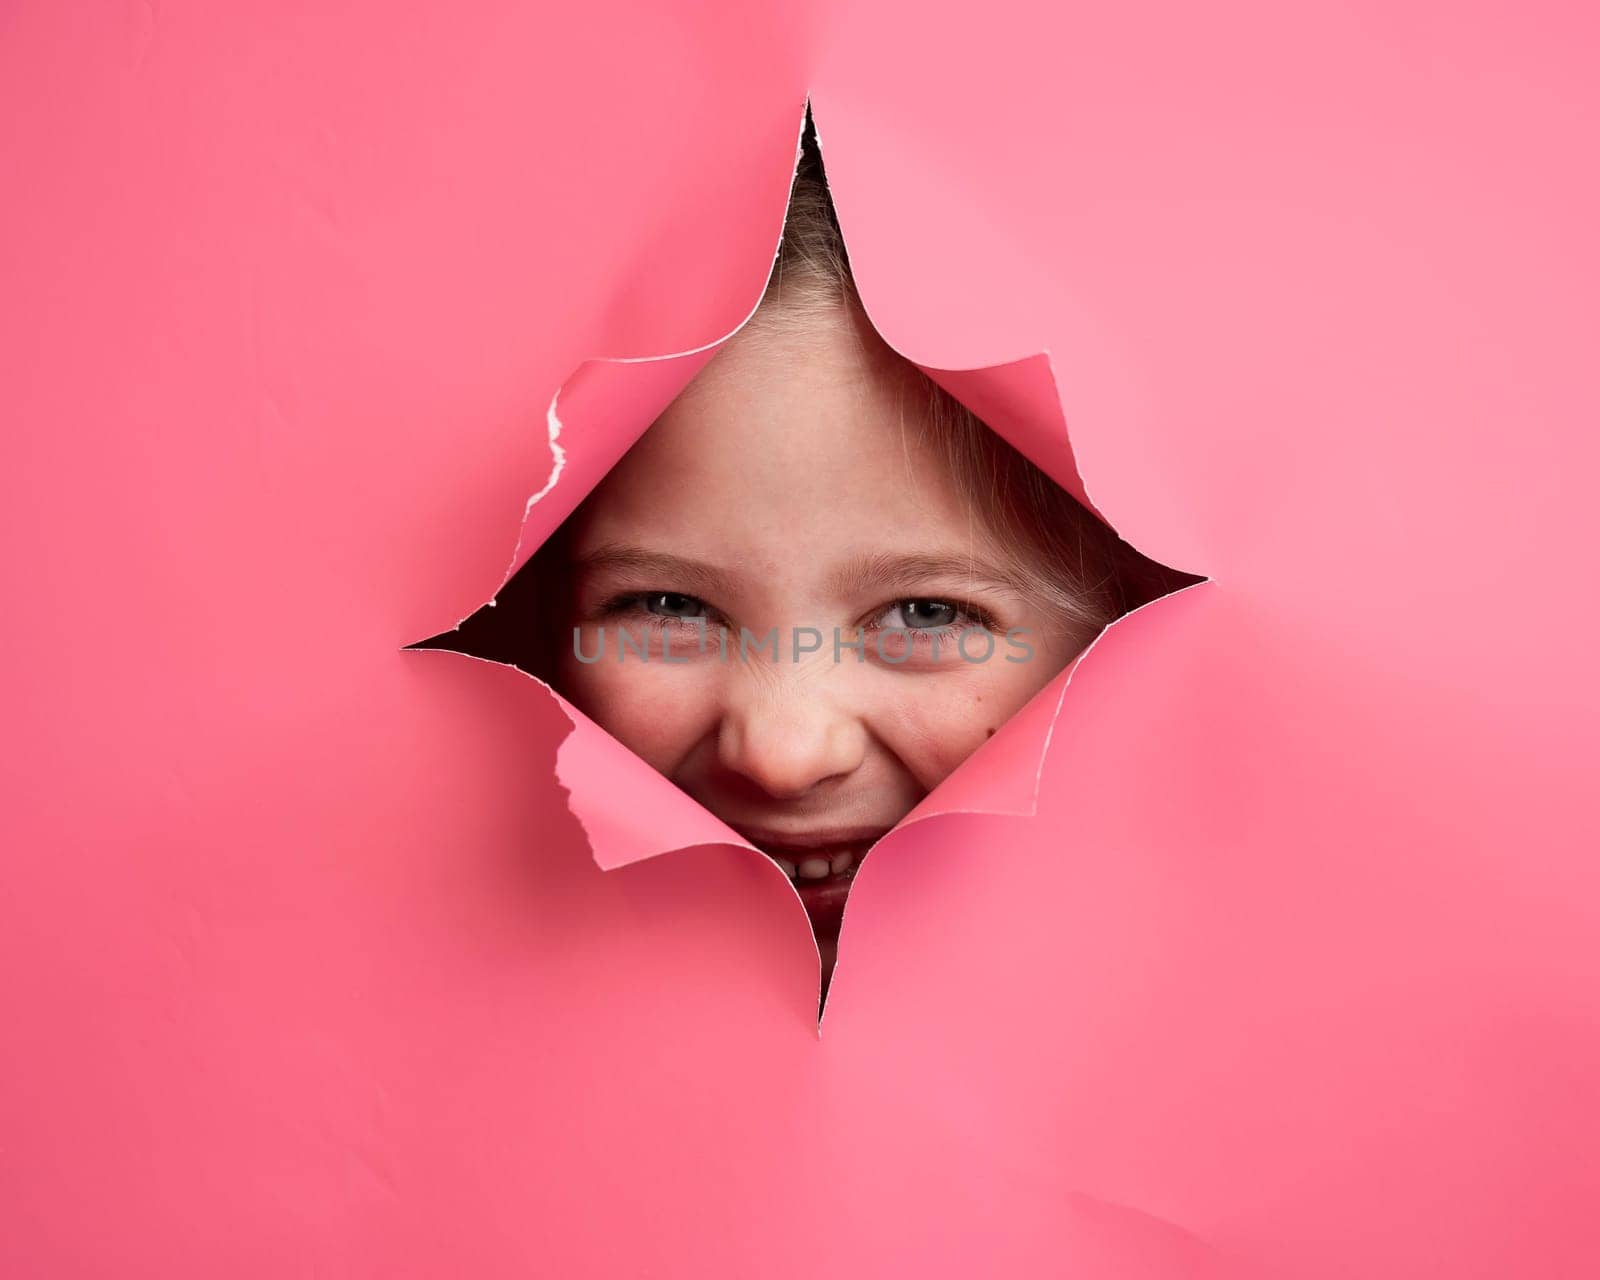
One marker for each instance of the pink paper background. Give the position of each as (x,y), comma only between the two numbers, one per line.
(306,967)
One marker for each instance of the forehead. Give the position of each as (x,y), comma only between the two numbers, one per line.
(803,426)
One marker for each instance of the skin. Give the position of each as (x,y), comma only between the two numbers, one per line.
(788,478)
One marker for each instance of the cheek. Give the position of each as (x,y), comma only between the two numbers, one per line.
(936,725)
(933,727)
(657,713)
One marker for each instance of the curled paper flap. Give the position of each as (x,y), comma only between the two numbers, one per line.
(593,420)
(1021,403)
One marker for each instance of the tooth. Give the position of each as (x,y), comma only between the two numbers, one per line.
(842,862)
(788,867)
(813,868)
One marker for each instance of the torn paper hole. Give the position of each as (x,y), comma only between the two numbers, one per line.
(826,595)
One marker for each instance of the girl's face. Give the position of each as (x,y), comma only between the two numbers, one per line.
(786,492)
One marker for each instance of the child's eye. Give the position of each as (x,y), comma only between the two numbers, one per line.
(926,614)
(672,604)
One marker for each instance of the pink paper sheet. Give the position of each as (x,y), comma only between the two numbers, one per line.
(307,964)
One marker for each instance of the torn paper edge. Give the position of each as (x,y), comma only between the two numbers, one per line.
(558,457)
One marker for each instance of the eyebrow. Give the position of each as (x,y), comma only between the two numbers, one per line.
(880,569)
(697,576)
(875,569)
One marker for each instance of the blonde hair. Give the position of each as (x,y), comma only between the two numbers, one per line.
(1071,564)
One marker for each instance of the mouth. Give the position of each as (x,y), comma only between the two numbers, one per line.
(820,865)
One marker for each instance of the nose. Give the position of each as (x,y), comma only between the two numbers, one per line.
(788,736)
